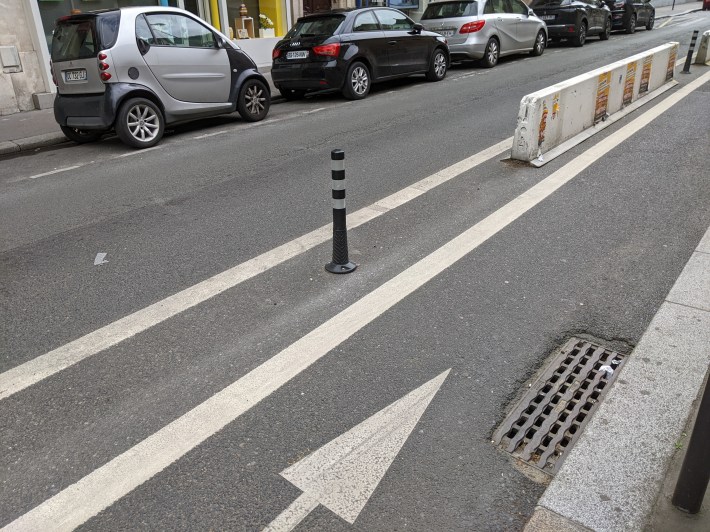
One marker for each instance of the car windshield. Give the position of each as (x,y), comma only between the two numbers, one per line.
(312,26)
(83,37)
(450,10)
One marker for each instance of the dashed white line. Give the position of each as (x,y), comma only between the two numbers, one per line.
(198,137)
(136,152)
(56,171)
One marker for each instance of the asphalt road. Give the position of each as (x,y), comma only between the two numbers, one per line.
(596,258)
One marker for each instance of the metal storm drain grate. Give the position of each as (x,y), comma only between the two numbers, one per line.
(546,423)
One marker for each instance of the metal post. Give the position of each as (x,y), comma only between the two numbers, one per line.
(673,6)
(340,263)
(691,49)
(695,473)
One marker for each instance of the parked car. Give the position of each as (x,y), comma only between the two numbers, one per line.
(574,20)
(350,50)
(139,69)
(630,14)
(486,29)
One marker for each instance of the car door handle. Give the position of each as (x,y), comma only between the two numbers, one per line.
(391,42)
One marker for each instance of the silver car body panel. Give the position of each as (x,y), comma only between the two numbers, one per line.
(516,33)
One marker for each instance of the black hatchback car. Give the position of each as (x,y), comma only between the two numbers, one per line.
(350,50)
(574,20)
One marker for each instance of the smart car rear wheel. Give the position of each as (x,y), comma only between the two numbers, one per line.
(357,82)
(140,123)
(492,53)
(81,136)
(254,100)
(437,66)
(540,43)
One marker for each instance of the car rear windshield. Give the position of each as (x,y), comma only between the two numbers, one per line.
(315,26)
(83,37)
(450,10)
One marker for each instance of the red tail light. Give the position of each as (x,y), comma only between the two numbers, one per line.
(103,66)
(105,76)
(275,53)
(472,27)
(102,56)
(331,50)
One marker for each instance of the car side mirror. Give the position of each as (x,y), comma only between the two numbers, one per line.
(416,29)
(531,13)
(220,41)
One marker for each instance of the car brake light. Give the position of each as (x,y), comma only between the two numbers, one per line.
(331,50)
(103,66)
(472,27)
(102,56)
(105,76)
(275,53)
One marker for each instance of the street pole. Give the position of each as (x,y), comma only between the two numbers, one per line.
(691,49)
(340,262)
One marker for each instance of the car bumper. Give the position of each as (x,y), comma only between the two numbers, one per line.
(619,19)
(308,76)
(562,30)
(467,50)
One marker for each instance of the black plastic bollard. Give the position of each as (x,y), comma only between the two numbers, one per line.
(340,263)
(695,472)
(691,49)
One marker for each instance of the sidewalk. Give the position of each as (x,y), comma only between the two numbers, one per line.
(623,470)
(35,129)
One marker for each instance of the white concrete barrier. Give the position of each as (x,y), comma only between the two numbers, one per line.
(560,113)
(703,58)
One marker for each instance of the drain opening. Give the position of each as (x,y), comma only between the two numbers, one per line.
(548,420)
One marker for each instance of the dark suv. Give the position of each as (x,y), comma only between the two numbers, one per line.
(349,50)
(628,15)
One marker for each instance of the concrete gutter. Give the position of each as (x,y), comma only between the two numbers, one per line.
(31,143)
(612,478)
(661,17)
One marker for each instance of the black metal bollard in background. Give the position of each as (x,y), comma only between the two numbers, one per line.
(691,49)
(340,263)
(695,472)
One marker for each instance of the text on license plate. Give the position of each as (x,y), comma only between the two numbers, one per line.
(302,54)
(447,33)
(548,17)
(75,75)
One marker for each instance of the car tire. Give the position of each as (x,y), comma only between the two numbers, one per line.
(491,53)
(254,100)
(651,21)
(604,35)
(631,24)
(140,123)
(292,94)
(581,37)
(437,66)
(357,81)
(540,44)
(82,136)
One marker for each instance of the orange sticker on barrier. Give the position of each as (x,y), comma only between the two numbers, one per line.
(629,83)
(645,74)
(543,125)
(671,64)
(602,96)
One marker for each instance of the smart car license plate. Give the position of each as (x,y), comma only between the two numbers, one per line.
(301,54)
(75,75)
(548,17)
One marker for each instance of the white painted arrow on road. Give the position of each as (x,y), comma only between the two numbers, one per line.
(343,474)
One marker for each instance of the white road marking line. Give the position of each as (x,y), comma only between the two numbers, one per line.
(137,152)
(33,371)
(665,22)
(101,488)
(314,111)
(56,171)
(206,135)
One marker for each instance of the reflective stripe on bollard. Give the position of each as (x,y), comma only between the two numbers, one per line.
(340,262)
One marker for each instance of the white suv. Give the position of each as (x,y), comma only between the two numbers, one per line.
(137,69)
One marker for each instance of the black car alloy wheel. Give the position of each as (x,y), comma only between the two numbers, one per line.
(254,100)
(581,36)
(604,36)
(631,25)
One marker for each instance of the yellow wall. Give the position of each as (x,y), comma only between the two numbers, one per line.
(276,11)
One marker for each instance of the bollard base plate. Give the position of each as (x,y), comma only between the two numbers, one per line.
(340,268)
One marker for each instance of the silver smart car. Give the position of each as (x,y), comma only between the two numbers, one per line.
(138,69)
(486,29)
